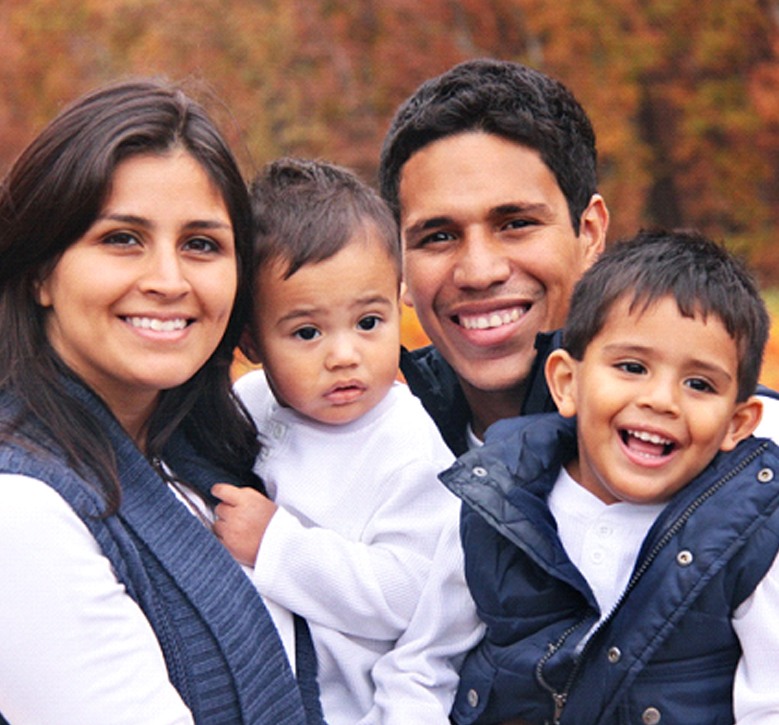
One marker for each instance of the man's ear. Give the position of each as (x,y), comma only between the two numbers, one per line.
(593,225)
(560,370)
(248,347)
(745,418)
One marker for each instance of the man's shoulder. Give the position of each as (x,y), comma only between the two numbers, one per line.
(431,379)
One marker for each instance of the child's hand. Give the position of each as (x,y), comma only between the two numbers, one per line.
(241,520)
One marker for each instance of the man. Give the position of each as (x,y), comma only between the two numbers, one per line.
(490,170)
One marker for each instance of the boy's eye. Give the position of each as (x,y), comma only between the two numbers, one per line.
(699,384)
(369,322)
(631,367)
(306,333)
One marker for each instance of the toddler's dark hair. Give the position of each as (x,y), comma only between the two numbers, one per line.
(306,211)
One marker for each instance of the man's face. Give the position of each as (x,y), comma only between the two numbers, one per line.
(491,256)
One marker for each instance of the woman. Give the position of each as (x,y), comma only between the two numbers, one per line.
(124,243)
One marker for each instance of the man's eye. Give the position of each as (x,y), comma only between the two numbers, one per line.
(369,322)
(517,224)
(435,238)
(306,333)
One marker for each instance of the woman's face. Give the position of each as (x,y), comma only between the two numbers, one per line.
(141,301)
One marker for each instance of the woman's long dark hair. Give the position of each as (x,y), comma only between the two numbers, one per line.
(51,196)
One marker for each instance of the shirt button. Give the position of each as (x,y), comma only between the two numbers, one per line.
(473,698)
(479,471)
(597,556)
(651,716)
(614,655)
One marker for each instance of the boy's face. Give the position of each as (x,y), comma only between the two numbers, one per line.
(655,399)
(329,336)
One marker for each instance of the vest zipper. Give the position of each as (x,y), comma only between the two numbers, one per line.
(560,698)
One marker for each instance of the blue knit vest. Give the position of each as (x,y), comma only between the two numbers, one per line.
(220,646)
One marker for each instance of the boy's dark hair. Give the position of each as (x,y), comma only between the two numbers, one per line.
(307,211)
(701,275)
(505,99)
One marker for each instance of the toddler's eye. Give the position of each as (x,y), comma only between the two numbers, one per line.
(369,322)
(306,333)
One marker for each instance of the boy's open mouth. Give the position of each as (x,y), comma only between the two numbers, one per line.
(647,444)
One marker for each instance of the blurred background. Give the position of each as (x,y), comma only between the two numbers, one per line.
(683,94)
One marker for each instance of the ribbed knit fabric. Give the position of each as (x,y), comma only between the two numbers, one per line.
(220,645)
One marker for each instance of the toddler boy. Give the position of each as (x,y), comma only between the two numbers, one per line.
(358,536)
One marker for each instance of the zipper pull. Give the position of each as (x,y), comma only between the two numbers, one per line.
(559,704)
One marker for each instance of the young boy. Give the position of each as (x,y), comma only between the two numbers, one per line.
(622,552)
(358,535)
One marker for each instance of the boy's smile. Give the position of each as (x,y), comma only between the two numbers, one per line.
(655,400)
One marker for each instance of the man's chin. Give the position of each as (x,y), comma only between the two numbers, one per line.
(496,377)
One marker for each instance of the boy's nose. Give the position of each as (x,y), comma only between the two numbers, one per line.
(661,395)
(342,352)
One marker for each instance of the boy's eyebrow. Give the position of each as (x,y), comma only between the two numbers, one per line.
(310,311)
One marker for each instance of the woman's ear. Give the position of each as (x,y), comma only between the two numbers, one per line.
(248,347)
(745,418)
(560,373)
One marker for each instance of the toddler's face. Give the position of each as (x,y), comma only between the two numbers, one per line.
(655,399)
(329,335)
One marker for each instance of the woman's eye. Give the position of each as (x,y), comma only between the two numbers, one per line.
(120,239)
(306,333)
(201,244)
(369,322)
(633,368)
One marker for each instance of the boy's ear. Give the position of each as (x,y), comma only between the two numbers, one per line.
(560,370)
(248,348)
(745,418)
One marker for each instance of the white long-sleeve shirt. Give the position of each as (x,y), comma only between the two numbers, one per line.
(365,546)
(75,648)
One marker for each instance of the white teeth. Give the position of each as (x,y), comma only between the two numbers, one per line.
(486,322)
(650,437)
(153,323)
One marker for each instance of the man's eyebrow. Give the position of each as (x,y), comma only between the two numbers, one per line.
(502,210)
(424,225)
